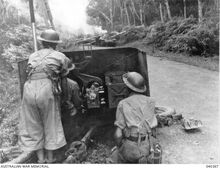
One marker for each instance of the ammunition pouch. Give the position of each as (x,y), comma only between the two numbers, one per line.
(55,80)
(56,85)
(64,88)
(155,157)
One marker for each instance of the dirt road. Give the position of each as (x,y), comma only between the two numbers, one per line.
(192,91)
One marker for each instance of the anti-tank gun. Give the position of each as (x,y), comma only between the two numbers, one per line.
(99,75)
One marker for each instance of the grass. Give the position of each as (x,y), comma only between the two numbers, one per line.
(9,108)
(15,45)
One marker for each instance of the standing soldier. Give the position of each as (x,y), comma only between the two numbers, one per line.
(134,120)
(40,126)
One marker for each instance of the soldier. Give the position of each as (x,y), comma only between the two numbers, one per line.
(134,120)
(40,126)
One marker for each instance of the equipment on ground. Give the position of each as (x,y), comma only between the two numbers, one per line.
(77,151)
(191,124)
(166,116)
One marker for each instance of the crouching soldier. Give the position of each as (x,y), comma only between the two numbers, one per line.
(71,97)
(134,120)
(40,127)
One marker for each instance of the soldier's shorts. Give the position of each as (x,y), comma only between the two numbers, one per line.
(130,152)
(40,122)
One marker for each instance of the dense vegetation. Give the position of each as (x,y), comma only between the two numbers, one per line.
(15,44)
(117,14)
(177,35)
(172,25)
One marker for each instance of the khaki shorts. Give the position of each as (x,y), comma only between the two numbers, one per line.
(40,122)
(131,152)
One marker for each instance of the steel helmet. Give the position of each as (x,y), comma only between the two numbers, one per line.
(134,81)
(50,35)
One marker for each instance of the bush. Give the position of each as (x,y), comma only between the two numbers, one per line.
(185,35)
(205,41)
(9,109)
(177,44)
(184,25)
(17,44)
(132,34)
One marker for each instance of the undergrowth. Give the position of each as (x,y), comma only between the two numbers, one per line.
(178,36)
(16,45)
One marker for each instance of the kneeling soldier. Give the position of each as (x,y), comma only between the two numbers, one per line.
(134,120)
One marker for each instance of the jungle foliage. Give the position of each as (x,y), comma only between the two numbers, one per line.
(171,25)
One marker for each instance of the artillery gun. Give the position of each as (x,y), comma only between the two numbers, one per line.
(99,75)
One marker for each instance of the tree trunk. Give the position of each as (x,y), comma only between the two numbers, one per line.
(161,13)
(184,3)
(200,10)
(133,15)
(144,10)
(141,17)
(120,3)
(142,6)
(134,10)
(122,11)
(49,14)
(112,15)
(168,9)
(141,12)
(217,7)
(3,12)
(122,16)
(126,12)
(42,10)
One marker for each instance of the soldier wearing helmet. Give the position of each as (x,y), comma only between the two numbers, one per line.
(40,126)
(134,120)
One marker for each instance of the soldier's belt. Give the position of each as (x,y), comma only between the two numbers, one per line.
(37,76)
(135,139)
(134,132)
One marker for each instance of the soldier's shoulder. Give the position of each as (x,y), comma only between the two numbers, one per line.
(121,102)
(40,52)
(144,97)
(150,99)
(34,54)
(124,101)
(59,53)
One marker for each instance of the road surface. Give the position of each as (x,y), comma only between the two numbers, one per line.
(192,91)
